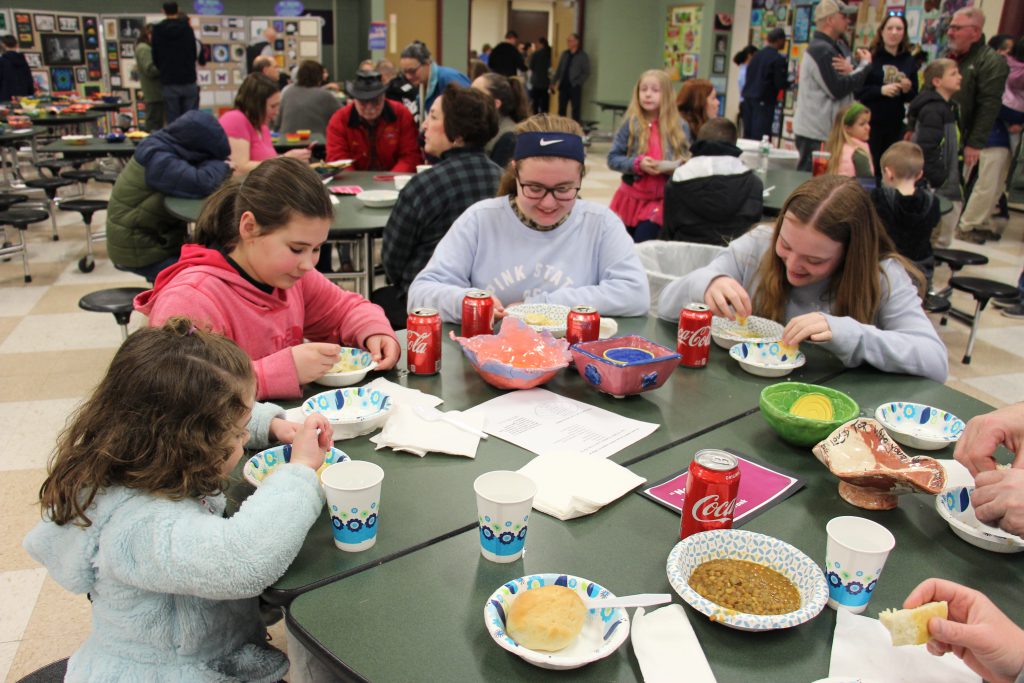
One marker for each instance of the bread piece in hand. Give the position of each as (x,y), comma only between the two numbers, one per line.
(547,618)
(910,626)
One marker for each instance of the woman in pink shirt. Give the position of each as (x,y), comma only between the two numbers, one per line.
(256,105)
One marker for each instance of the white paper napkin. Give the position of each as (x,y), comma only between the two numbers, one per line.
(667,648)
(857,636)
(407,431)
(571,485)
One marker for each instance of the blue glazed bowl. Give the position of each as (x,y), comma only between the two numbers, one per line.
(263,463)
(623,366)
(116,137)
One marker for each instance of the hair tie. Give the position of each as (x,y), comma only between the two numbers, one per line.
(191,330)
(548,144)
(851,114)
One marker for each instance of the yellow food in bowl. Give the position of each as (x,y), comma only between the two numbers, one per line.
(814,406)
(547,618)
(539,319)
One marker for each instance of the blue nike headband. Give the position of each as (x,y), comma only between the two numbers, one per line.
(564,145)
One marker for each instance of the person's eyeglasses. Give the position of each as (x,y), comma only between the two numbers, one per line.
(412,71)
(538,192)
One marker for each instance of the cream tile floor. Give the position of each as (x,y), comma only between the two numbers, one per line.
(52,354)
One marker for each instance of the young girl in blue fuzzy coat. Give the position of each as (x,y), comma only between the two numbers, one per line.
(133,515)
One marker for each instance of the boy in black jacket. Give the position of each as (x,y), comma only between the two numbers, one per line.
(909,211)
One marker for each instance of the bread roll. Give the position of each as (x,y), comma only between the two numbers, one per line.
(910,626)
(547,618)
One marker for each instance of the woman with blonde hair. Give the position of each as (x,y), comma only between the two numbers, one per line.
(536,242)
(830,273)
(697,102)
(651,134)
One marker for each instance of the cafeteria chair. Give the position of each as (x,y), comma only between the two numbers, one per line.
(86,207)
(80,176)
(957,260)
(933,303)
(49,186)
(21,219)
(55,165)
(54,672)
(982,290)
(117,300)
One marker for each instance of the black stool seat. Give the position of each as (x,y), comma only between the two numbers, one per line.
(107,177)
(958,258)
(80,176)
(982,289)
(117,301)
(20,218)
(83,206)
(49,185)
(54,165)
(936,304)
(9,200)
(53,672)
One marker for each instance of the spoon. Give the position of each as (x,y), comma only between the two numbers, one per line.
(638,600)
(433,415)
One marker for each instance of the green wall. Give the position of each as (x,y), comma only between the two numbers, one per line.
(455,34)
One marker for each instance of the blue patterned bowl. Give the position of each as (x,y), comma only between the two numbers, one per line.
(919,426)
(954,506)
(351,411)
(263,463)
(736,544)
(603,632)
(766,359)
(350,369)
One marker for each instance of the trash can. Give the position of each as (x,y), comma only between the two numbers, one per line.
(666,261)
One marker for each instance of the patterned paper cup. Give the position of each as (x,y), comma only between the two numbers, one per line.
(856,552)
(353,498)
(503,500)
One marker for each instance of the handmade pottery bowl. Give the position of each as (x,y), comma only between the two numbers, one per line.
(624,366)
(954,506)
(736,544)
(777,399)
(76,139)
(920,426)
(767,359)
(872,468)
(351,411)
(603,631)
(263,463)
(517,357)
(727,333)
(377,199)
(116,137)
(542,317)
(350,369)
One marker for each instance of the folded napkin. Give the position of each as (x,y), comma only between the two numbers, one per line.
(571,485)
(407,431)
(862,648)
(667,648)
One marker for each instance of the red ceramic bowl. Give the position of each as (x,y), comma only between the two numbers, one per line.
(623,366)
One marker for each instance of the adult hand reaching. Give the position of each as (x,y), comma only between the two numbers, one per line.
(998,499)
(984,433)
(725,295)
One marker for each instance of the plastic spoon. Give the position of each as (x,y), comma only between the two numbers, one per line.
(638,600)
(433,415)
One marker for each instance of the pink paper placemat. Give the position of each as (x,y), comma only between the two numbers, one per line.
(345,189)
(761,487)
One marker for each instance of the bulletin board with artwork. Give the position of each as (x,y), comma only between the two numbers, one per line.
(57,46)
(682,41)
(120,34)
(298,39)
(223,40)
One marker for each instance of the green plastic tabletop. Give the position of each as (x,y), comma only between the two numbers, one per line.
(93,147)
(784,180)
(17,134)
(429,604)
(282,145)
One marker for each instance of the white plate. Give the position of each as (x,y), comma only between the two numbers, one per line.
(378,199)
(340,163)
(766,359)
(555,314)
(727,333)
(603,632)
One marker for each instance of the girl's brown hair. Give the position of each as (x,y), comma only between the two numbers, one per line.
(539,123)
(839,136)
(692,102)
(273,191)
(514,101)
(163,420)
(839,208)
(252,97)
(674,144)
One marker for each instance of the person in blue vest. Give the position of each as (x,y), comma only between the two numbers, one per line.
(420,71)
(767,75)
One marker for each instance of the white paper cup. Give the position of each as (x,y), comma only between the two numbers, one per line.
(503,502)
(423,167)
(353,499)
(401,181)
(856,552)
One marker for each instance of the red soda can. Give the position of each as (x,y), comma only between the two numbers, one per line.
(693,342)
(711,492)
(423,342)
(477,313)
(582,325)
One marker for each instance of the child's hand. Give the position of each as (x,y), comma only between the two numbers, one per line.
(725,295)
(811,326)
(313,359)
(384,349)
(301,154)
(649,166)
(308,447)
(499,308)
(283,431)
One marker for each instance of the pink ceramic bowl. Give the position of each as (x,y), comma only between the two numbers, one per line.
(623,366)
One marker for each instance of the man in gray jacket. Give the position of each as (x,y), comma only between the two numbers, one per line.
(828,78)
(573,70)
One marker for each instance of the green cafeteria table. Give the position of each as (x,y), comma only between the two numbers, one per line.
(428,605)
(784,180)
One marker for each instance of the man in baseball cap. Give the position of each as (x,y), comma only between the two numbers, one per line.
(827,8)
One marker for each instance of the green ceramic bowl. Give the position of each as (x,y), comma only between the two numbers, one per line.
(804,431)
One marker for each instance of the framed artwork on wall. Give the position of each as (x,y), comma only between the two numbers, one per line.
(130,28)
(68,24)
(81,74)
(62,78)
(45,22)
(718,64)
(34,59)
(61,50)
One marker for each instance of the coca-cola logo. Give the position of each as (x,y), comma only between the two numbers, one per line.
(713,509)
(418,341)
(696,338)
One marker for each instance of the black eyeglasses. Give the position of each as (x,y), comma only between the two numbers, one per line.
(536,191)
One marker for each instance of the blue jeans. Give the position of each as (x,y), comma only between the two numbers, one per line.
(179,99)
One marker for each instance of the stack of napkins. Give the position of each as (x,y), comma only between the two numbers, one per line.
(407,431)
(571,485)
(667,648)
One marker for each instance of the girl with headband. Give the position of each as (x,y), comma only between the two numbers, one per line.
(848,143)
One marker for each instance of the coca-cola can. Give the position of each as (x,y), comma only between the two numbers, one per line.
(582,325)
(477,313)
(423,341)
(693,341)
(711,492)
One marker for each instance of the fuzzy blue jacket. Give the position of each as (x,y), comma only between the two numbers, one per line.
(174,584)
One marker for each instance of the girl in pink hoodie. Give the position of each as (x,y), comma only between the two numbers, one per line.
(848,143)
(251,277)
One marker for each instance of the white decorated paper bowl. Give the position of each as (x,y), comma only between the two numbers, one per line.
(378,199)
(603,631)
(350,369)
(767,359)
(352,411)
(736,544)
(257,467)
(554,317)
(954,506)
(727,333)
(919,426)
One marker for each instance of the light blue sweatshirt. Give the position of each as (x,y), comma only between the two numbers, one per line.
(901,339)
(588,260)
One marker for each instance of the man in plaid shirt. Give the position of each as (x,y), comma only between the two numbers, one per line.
(458,126)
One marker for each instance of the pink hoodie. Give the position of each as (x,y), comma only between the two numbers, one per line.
(204,287)
(1013,93)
